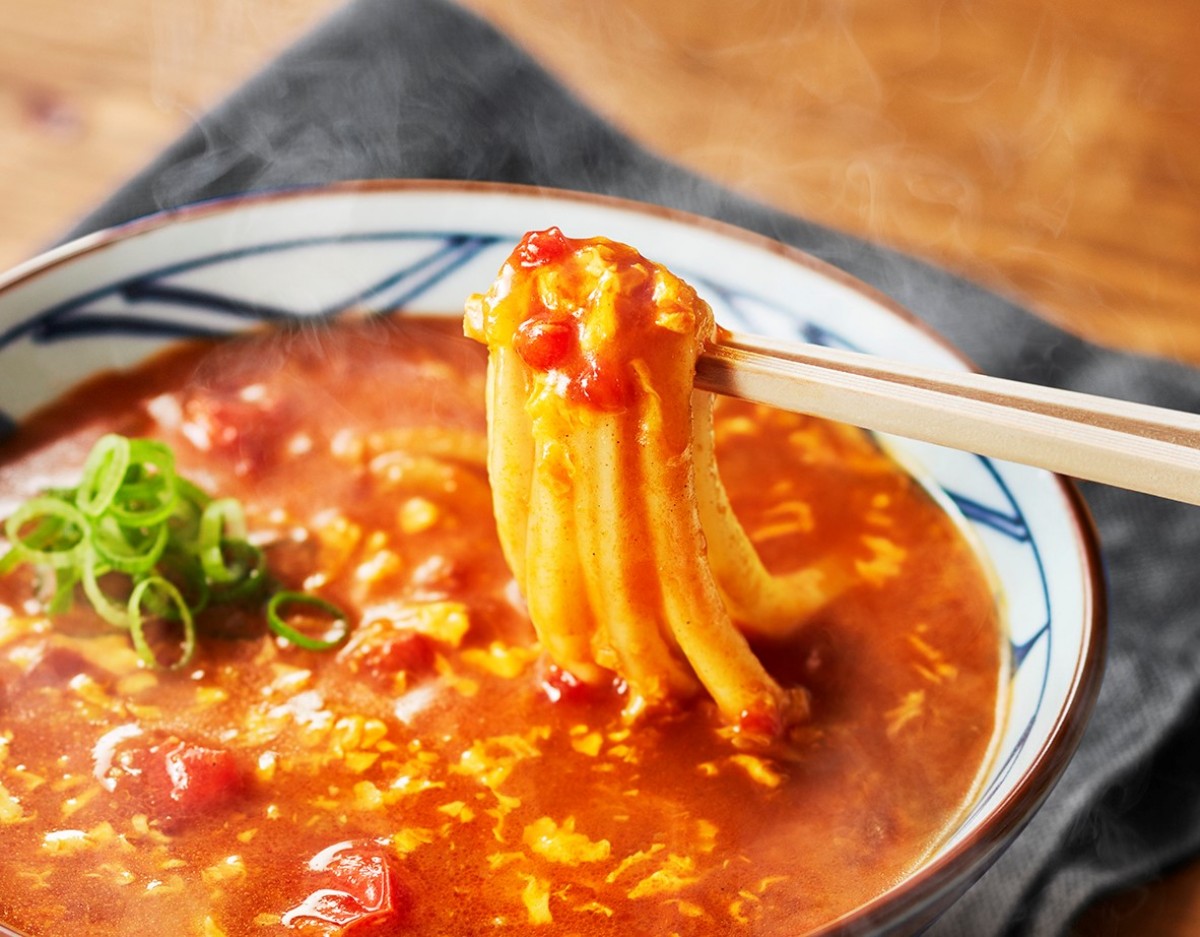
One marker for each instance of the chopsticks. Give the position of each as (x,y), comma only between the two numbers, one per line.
(1129,445)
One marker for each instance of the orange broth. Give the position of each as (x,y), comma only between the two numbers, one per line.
(433,776)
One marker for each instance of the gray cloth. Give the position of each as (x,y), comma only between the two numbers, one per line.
(420,88)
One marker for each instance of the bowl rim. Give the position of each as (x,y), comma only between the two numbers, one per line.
(928,889)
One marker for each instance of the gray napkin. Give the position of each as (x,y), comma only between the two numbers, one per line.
(420,88)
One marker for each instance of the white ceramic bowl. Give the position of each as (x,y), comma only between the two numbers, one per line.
(111,298)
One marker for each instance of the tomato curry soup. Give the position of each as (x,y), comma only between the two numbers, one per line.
(430,774)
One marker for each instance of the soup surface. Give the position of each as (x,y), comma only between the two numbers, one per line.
(432,776)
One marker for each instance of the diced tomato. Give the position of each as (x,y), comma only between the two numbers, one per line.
(545,343)
(382,648)
(54,666)
(245,431)
(359,891)
(542,247)
(602,387)
(172,781)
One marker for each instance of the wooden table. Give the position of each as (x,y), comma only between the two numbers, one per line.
(1046,148)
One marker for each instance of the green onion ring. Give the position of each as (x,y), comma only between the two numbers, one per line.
(141,487)
(47,507)
(284,630)
(222,521)
(251,564)
(144,651)
(105,607)
(115,549)
(103,474)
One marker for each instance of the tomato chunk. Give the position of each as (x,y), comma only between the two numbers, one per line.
(383,648)
(359,891)
(171,781)
(543,247)
(545,343)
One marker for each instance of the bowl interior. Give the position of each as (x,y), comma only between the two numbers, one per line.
(111,299)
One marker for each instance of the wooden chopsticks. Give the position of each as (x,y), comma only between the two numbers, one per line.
(1129,445)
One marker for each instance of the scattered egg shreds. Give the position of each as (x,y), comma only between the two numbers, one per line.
(115,874)
(589,744)
(562,844)
(884,564)
(938,668)
(412,838)
(459,683)
(210,928)
(66,842)
(506,661)
(71,805)
(210,695)
(171,885)
(358,762)
(687,908)
(784,519)
(706,836)
(911,706)
(347,734)
(368,797)
(644,855)
(447,622)
(417,515)
(594,907)
(498,860)
(266,919)
(226,870)
(674,875)
(266,766)
(338,537)
(536,896)
(765,883)
(308,711)
(504,806)
(374,732)
(708,768)
(382,565)
(287,681)
(461,811)
(92,692)
(11,810)
(246,835)
(760,770)
(493,759)
(137,682)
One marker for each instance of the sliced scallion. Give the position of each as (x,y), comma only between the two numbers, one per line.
(275,621)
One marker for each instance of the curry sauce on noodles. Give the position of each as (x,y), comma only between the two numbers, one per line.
(436,774)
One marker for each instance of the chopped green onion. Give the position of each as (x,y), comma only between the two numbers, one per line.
(251,567)
(103,474)
(140,539)
(64,549)
(221,522)
(137,623)
(276,623)
(129,550)
(148,494)
(115,612)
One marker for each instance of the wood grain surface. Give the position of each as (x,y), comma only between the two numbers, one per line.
(1049,149)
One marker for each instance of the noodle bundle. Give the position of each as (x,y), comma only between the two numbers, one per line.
(609,506)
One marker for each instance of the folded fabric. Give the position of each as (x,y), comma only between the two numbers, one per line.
(421,88)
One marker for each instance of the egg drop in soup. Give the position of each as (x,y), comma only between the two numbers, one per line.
(277,658)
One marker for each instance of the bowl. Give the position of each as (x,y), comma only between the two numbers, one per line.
(110,299)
